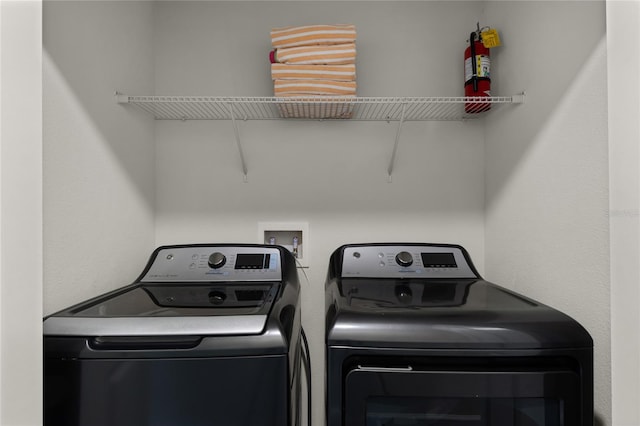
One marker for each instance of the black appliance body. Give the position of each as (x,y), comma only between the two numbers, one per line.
(414,336)
(209,334)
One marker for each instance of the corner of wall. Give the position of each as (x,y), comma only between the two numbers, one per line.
(21,213)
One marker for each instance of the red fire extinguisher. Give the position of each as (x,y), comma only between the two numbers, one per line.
(477,71)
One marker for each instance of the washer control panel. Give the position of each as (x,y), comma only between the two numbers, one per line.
(405,261)
(215,263)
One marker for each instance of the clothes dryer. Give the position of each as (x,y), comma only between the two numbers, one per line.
(414,336)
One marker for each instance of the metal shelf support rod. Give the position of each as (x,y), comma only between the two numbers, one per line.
(395,145)
(238,142)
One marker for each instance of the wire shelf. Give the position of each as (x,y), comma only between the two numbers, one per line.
(318,108)
(399,110)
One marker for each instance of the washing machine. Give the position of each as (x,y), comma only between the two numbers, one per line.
(415,336)
(209,334)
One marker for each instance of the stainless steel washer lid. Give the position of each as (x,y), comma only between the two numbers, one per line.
(199,289)
(149,310)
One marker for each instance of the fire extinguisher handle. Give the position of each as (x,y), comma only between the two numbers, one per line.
(474,65)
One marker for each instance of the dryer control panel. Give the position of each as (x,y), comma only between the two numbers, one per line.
(405,261)
(215,263)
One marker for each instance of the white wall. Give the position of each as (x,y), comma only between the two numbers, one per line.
(623,21)
(98,155)
(546,166)
(332,175)
(20,213)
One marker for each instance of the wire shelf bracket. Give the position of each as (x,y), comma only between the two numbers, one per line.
(395,144)
(236,132)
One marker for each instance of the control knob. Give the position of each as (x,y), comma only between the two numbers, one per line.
(404,258)
(217,260)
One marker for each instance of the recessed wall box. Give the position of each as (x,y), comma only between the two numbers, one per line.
(294,236)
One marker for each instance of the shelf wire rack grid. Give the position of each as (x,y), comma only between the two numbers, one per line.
(318,108)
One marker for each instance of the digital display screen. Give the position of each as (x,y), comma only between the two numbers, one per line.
(252,261)
(438,260)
